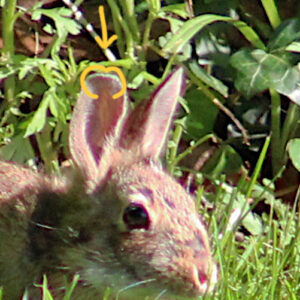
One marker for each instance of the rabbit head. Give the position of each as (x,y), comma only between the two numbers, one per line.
(156,238)
(121,221)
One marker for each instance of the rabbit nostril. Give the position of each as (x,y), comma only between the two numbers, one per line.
(199,278)
(202,277)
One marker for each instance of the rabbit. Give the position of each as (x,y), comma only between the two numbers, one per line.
(119,220)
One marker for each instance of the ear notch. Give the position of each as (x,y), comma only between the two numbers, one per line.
(148,125)
(96,124)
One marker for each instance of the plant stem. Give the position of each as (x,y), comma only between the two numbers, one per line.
(150,19)
(154,8)
(48,154)
(190,149)
(173,150)
(129,12)
(117,17)
(290,124)
(276,145)
(8,19)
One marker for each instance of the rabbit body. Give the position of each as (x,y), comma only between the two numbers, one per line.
(119,221)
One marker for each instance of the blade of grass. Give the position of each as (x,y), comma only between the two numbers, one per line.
(277,155)
(290,125)
(193,26)
(272,12)
(70,290)
(190,149)
(258,166)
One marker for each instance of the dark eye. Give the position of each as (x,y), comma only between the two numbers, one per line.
(136,217)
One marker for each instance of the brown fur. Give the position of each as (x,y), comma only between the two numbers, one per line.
(62,226)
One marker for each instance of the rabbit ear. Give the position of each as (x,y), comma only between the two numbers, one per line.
(96,123)
(148,125)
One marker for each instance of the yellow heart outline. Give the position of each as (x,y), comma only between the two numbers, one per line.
(106,70)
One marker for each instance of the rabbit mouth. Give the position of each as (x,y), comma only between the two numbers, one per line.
(205,284)
(199,284)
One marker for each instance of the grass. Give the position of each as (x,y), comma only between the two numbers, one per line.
(258,251)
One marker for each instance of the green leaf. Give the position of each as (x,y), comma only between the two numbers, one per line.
(289,85)
(191,27)
(224,161)
(58,107)
(258,71)
(175,24)
(250,77)
(38,120)
(293,47)
(293,148)
(253,223)
(201,119)
(272,12)
(19,150)
(178,9)
(29,64)
(5,72)
(63,24)
(209,80)
(47,73)
(285,34)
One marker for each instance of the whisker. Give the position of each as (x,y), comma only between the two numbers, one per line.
(44,226)
(132,286)
(161,294)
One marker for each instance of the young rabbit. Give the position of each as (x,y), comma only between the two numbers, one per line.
(120,221)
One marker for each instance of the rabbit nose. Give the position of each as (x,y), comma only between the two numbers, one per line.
(201,280)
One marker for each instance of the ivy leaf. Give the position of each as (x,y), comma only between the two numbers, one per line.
(258,70)
(202,116)
(294,152)
(285,34)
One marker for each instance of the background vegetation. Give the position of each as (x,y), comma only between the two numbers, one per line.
(236,142)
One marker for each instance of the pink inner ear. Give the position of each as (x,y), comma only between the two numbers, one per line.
(149,124)
(103,118)
(96,123)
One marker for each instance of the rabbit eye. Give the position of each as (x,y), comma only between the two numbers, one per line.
(136,217)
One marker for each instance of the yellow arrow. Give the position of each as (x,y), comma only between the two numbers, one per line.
(104,42)
(106,70)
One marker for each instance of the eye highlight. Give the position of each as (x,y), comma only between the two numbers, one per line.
(136,217)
